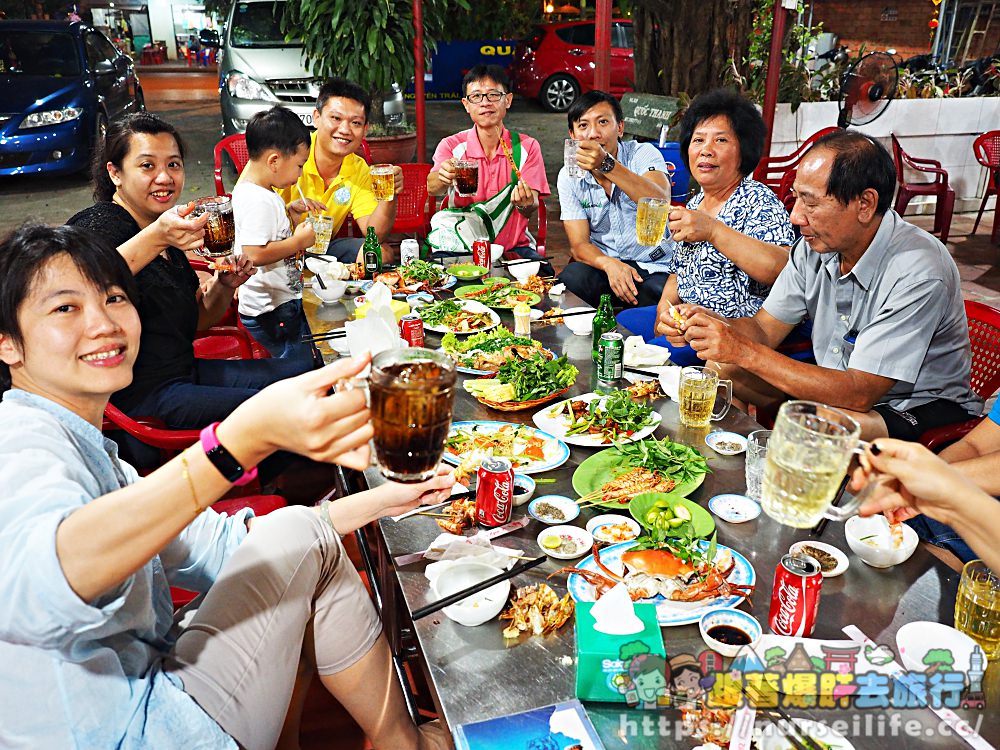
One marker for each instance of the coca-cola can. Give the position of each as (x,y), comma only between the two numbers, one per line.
(481,253)
(411,329)
(494,492)
(798,581)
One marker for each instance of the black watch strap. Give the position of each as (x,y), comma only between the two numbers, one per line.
(223,460)
(607,165)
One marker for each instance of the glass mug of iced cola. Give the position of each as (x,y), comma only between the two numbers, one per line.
(383,182)
(808,455)
(412,393)
(466,177)
(220,231)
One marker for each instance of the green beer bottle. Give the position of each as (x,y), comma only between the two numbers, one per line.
(604,321)
(372,251)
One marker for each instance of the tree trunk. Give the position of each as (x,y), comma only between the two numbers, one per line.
(683,46)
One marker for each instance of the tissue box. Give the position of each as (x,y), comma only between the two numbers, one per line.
(603,660)
(399,309)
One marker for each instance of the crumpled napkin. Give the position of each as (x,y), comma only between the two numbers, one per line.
(451,547)
(640,354)
(377,331)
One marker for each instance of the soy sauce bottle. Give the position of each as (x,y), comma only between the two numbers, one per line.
(372,253)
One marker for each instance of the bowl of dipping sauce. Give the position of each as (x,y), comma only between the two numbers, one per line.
(553,509)
(728,631)
(524,488)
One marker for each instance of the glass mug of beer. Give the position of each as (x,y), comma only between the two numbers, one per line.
(699,387)
(651,220)
(808,455)
(977,607)
(383,182)
(220,231)
(412,393)
(467,177)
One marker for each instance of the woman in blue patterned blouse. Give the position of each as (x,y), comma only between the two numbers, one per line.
(731,241)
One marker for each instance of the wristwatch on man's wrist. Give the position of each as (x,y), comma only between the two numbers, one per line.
(607,165)
(223,460)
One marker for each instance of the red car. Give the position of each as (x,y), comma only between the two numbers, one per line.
(556,62)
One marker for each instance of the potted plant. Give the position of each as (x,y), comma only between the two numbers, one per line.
(370,43)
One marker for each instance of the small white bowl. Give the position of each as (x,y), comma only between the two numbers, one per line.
(598,525)
(715,441)
(476,608)
(569,509)
(521,271)
(333,292)
(582,542)
(524,488)
(734,508)
(496,252)
(842,562)
(581,325)
(884,555)
(734,618)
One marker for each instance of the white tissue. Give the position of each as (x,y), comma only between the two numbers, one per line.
(377,331)
(451,547)
(668,375)
(639,354)
(614,613)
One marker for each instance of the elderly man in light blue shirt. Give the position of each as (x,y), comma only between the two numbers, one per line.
(599,209)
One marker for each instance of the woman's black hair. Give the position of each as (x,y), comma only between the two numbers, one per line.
(28,249)
(743,116)
(116,146)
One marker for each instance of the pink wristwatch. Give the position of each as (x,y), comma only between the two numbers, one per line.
(223,460)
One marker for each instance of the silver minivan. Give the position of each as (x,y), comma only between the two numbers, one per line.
(258,69)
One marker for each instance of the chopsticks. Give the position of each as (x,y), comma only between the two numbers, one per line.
(510,263)
(818,529)
(316,337)
(320,256)
(639,371)
(789,729)
(460,595)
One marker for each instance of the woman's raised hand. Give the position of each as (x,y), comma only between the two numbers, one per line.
(178,229)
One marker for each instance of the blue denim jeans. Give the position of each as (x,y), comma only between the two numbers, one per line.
(280,331)
(345,249)
(944,536)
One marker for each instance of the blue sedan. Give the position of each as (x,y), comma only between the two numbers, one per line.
(61,83)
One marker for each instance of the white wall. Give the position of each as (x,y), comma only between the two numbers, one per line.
(161,25)
(941,129)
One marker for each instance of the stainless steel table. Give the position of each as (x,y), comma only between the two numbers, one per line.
(474,675)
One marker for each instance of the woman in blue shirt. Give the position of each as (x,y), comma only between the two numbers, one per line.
(731,241)
(92,655)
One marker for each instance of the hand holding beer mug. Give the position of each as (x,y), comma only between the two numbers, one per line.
(651,220)
(383,182)
(220,231)
(808,454)
(698,389)
(412,393)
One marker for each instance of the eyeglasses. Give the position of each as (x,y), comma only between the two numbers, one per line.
(491,96)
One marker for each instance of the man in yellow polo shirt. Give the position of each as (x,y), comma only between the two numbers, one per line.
(335,176)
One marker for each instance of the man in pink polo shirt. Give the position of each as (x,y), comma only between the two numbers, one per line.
(487,99)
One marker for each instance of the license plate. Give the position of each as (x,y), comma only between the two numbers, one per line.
(307,118)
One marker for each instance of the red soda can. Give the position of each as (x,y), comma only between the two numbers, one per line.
(795,598)
(494,492)
(481,253)
(411,328)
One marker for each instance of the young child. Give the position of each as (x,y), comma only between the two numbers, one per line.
(270,303)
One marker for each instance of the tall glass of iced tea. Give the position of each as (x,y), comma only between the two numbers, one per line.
(412,393)
(220,231)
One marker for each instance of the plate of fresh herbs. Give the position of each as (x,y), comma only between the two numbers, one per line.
(484,353)
(524,383)
(595,421)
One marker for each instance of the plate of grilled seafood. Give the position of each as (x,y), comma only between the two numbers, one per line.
(595,421)
(682,590)
(612,477)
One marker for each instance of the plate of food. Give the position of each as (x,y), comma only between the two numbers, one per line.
(671,513)
(467,271)
(565,542)
(612,477)
(684,578)
(415,276)
(832,561)
(524,383)
(611,528)
(529,449)
(458,316)
(594,421)
(484,353)
(500,296)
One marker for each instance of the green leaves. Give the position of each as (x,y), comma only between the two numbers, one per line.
(537,377)
(680,462)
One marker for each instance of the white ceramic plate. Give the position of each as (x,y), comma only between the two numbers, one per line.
(556,451)
(915,639)
(668,612)
(471,306)
(715,441)
(558,424)
(734,508)
(771,737)
(596,524)
(582,541)
(569,509)
(842,562)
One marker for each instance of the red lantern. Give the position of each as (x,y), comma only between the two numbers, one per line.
(933,23)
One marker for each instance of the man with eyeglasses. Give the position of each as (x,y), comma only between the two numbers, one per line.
(487,99)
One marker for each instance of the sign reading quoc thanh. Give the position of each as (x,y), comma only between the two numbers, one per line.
(646,114)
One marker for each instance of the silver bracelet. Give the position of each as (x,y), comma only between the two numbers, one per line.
(324,512)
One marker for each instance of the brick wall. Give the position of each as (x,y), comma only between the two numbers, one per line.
(878,24)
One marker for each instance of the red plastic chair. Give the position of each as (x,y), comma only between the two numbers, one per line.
(235,147)
(412,206)
(987,150)
(938,187)
(784,191)
(771,169)
(984,334)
